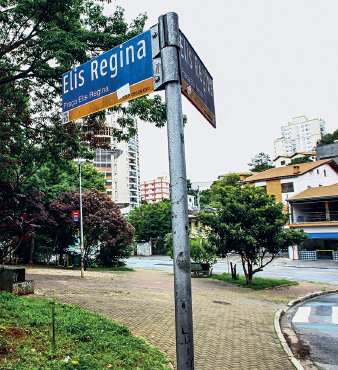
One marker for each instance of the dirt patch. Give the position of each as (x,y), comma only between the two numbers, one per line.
(13,333)
(300,349)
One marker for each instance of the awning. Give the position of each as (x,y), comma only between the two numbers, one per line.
(322,235)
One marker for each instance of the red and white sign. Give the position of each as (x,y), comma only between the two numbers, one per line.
(75,215)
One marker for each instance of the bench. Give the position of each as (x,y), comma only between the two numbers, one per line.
(201,268)
(195,268)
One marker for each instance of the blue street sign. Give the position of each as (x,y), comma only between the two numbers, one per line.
(119,75)
(197,83)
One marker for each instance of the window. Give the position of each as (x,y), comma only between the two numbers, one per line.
(324,173)
(287,187)
(282,163)
(317,172)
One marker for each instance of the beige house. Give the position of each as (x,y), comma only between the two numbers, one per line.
(284,160)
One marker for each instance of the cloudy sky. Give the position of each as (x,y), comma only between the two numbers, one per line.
(271,60)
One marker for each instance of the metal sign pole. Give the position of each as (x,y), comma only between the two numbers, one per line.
(81,223)
(170,49)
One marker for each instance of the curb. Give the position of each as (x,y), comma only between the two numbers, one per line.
(281,312)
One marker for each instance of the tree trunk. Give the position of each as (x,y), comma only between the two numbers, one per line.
(249,275)
(247,270)
(32,250)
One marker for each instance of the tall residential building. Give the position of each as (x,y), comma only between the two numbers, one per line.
(154,191)
(121,167)
(300,135)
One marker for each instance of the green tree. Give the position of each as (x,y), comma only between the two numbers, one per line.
(151,220)
(53,180)
(261,162)
(201,250)
(39,41)
(228,180)
(304,159)
(249,222)
(205,197)
(328,139)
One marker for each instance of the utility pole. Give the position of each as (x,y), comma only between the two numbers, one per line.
(170,57)
(81,223)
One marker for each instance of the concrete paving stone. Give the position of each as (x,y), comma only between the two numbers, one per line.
(239,335)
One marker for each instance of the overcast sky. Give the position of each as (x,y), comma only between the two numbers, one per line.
(271,60)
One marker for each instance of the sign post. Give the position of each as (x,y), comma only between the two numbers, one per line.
(170,49)
(81,222)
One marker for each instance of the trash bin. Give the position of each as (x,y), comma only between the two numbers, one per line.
(13,280)
(75,260)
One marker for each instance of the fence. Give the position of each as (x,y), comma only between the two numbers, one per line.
(307,255)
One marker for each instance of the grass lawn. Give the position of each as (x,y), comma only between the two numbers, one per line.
(83,340)
(258,283)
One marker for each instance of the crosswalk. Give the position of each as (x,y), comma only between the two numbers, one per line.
(314,315)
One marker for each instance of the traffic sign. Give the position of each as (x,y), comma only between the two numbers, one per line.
(76,216)
(197,83)
(116,76)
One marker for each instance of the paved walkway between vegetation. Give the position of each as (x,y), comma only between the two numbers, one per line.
(233,326)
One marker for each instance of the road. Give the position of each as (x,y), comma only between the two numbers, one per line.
(273,270)
(316,325)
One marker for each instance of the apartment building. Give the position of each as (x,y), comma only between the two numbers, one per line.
(121,168)
(300,135)
(154,191)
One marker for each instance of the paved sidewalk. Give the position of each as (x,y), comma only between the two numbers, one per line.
(233,327)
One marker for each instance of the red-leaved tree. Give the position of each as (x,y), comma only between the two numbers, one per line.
(103,224)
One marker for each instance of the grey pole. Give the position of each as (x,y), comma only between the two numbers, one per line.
(81,223)
(169,39)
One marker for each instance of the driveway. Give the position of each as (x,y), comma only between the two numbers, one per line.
(233,327)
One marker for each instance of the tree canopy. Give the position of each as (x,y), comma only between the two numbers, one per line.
(250,223)
(151,220)
(261,162)
(304,159)
(230,179)
(103,224)
(328,139)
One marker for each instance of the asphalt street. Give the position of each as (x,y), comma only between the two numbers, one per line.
(274,270)
(316,324)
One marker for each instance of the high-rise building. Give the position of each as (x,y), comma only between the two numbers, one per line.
(300,135)
(154,191)
(121,167)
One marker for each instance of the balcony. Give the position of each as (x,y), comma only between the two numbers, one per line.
(132,173)
(315,212)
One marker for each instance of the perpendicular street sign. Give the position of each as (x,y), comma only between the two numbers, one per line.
(116,76)
(197,83)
